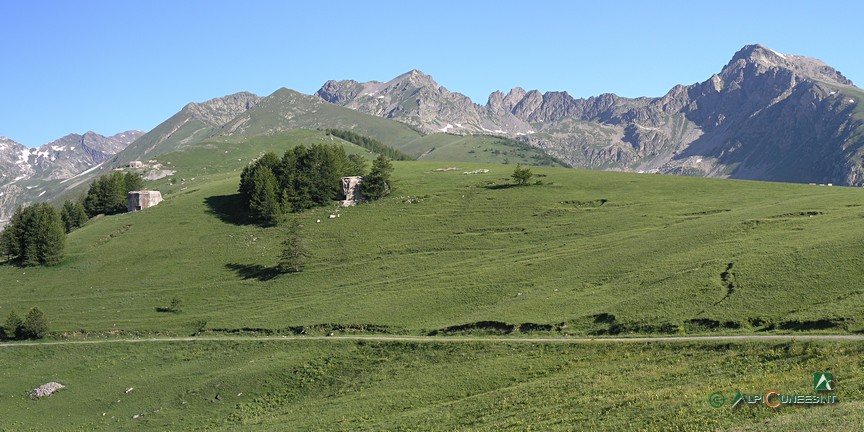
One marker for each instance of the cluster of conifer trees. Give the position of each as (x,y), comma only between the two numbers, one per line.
(305,177)
(36,235)
(108,194)
(33,326)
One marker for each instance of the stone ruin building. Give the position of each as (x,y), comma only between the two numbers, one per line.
(352,190)
(140,200)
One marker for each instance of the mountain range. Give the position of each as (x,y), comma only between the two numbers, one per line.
(23,169)
(764,116)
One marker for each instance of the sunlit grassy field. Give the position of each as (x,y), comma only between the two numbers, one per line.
(343,385)
(575,253)
(581,253)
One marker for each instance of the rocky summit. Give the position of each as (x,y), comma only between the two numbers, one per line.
(764,116)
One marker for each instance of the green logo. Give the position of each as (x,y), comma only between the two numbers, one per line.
(823,381)
(717,399)
(738,398)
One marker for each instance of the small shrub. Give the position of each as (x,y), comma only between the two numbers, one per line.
(522,175)
(173,307)
(199,326)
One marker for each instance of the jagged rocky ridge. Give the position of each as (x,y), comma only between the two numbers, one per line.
(765,116)
(30,175)
(22,169)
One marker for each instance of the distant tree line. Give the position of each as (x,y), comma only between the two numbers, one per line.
(303,178)
(108,194)
(370,144)
(541,158)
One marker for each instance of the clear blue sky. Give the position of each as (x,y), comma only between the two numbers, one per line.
(109,66)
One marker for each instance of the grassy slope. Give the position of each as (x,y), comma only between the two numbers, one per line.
(279,114)
(651,259)
(340,385)
(470,250)
(472,148)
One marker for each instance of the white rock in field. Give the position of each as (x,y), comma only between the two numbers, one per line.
(46,389)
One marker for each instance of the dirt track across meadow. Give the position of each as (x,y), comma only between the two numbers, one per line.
(454,339)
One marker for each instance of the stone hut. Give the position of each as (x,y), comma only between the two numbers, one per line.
(352,191)
(140,200)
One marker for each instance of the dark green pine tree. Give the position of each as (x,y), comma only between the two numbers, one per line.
(132,182)
(73,215)
(35,235)
(35,325)
(326,165)
(377,184)
(66,215)
(356,165)
(247,186)
(42,236)
(12,327)
(294,251)
(11,237)
(119,194)
(79,216)
(522,175)
(302,195)
(101,197)
(265,202)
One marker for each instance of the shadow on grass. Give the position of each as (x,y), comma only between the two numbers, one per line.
(501,186)
(229,209)
(253,271)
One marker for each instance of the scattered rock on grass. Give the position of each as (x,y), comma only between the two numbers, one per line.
(46,389)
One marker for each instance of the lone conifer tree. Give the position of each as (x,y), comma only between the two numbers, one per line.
(35,325)
(12,327)
(377,184)
(522,175)
(294,252)
(265,203)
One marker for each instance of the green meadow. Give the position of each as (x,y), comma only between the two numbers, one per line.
(352,386)
(575,253)
(583,252)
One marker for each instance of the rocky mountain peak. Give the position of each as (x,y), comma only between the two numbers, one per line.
(414,76)
(760,59)
(221,110)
